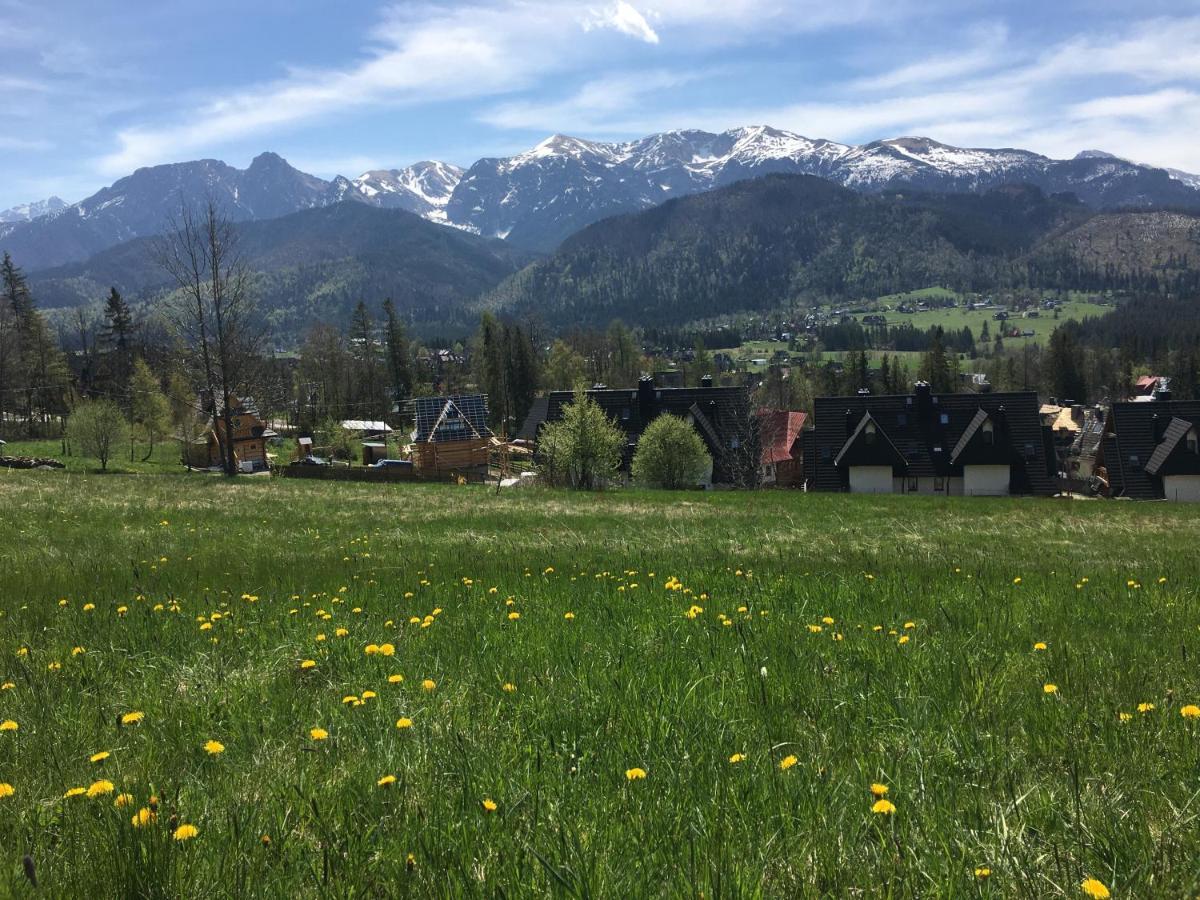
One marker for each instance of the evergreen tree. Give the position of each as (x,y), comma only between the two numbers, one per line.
(399,354)
(116,340)
(1064,374)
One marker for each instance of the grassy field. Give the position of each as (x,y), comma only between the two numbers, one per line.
(491,675)
(958,318)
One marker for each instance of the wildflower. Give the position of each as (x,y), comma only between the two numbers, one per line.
(265,840)
(1094,888)
(99,757)
(132,718)
(428,684)
(395,679)
(214,748)
(308,664)
(74,792)
(88,607)
(910,625)
(1050,688)
(387,650)
(879,789)
(635,774)
(737,758)
(903,639)
(76,651)
(508,687)
(815,629)
(828,620)
(1124,716)
(9,725)
(185,832)
(6,789)
(982,872)
(371,649)
(513,616)
(1190,711)
(386,781)
(1145,707)
(7,686)
(883,807)
(404,722)
(1017,580)
(100,788)
(318,734)
(410,862)
(368,695)
(489,805)
(1040,645)
(143,817)
(122,800)
(569,616)
(787,762)
(341,632)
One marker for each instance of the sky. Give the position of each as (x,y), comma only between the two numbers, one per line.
(94,89)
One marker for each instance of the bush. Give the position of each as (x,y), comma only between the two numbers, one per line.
(97,427)
(670,455)
(584,449)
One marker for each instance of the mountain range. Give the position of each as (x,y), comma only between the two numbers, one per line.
(538,198)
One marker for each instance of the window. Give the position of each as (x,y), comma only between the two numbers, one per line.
(735,442)
(913,483)
(826,454)
(625,414)
(944,418)
(902,419)
(869,432)
(988,434)
(939,483)
(1193,442)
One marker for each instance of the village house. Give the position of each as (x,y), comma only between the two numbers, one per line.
(1151,450)
(722,416)
(984,444)
(250,436)
(781,434)
(451,437)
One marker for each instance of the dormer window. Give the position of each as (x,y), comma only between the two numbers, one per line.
(1193,441)
(989,433)
(944,418)
(869,433)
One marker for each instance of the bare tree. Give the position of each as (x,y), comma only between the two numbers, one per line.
(215,313)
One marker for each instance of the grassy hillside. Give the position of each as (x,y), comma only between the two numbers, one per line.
(762,658)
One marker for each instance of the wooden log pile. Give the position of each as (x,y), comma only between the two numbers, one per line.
(29,462)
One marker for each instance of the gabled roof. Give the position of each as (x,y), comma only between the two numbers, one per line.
(1138,429)
(778,430)
(445,419)
(706,429)
(365,425)
(534,419)
(887,451)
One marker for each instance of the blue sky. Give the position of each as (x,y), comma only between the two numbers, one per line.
(93,90)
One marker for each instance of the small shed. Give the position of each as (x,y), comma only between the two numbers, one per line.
(373,451)
(304,447)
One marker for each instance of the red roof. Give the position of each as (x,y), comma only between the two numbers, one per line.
(1147,381)
(779,429)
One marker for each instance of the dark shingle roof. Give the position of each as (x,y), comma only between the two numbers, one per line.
(1138,433)
(934,435)
(443,419)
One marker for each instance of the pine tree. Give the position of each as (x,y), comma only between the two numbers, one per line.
(116,339)
(398,354)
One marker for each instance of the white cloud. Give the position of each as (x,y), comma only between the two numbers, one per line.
(625,19)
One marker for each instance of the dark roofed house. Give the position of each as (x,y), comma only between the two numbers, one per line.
(722,416)
(926,443)
(451,436)
(1152,450)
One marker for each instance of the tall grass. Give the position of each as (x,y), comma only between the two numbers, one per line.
(699,630)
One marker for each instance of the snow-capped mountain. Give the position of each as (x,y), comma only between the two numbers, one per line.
(423,188)
(538,198)
(26,212)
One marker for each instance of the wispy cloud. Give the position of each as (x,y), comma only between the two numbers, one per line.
(624,18)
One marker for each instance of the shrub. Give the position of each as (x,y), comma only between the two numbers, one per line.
(670,455)
(97,427)
(584,449)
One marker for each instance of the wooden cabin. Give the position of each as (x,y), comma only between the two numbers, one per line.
(451,437)
(250,436)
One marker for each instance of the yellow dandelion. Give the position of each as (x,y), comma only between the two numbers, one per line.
(787,762)
(982,872)
(100,788)
(1145,707)
(635,774)
(879,789)
(387,650)
(386,781)
(1040,645)
(1094,888)
(903,639)
(318,734)
(513,616)
(185,832)
(6,789)
(428,684)
(395,679)
(308,664)
(489,805)
(74,792)
(9,725)
(404,722)
(1049,688)
(368,695)
(1124,716)
(569,616)
(1190,711)
(143,817)
(214,748)
(122,800)
(737,758)
(132,718)
(883,807)
(99,757)
(508,687)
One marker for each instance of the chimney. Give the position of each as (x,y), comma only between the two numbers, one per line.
(1077,412)
(924,399)
(706,381)
(1162,395)
(645,398)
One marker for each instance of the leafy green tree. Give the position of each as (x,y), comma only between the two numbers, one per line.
(584,449)
(151,413)
(565,369)
(701,365)
(97,428)
(670,455)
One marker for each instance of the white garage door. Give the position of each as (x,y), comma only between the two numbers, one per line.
(985,481)
(870,479)
(1185,488)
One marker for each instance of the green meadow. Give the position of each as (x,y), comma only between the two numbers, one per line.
(271,688)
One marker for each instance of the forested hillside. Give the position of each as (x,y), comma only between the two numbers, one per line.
(781,240)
